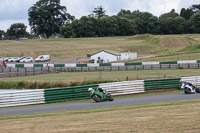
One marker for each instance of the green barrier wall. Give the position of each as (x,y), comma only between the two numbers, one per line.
(104,64)
(131,64)
(81,65)
(67,93)
(169,62)
(59,65)
(38,65)
(19,65)
(162,84)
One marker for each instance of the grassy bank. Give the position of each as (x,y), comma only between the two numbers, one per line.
(80,47)
(180,116)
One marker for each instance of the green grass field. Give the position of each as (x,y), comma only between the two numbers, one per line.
(68,77)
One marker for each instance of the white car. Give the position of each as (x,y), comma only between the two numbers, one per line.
(13,59)
(42,58)
(20,58)
(7,59)
(27,59)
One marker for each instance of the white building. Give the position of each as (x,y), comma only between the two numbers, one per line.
(128,55)
(106,56)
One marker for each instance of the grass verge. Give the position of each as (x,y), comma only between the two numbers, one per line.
(85,78)
(179,116)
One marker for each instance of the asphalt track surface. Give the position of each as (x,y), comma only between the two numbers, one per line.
(87,105)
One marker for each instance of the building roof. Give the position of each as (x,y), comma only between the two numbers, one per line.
(110,52)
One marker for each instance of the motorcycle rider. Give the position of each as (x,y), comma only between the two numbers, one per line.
(187,83)
(100,89)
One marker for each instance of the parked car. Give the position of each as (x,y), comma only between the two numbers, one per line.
(13,59)
(7,59)
(20,58)
(27,59)
(42,58)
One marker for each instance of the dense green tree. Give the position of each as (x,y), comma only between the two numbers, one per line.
(129,23)
(195,21)
(88,26)
(146,23)
(2,34)
(172,25)
(196,8)
(17,30)
(99,12)
(171,14)
(125,13)
(67,30)
(180,24)
(126,26)
(186,13)
(110,26)
(47,16)
(77,28)
(188,27)
(167,26)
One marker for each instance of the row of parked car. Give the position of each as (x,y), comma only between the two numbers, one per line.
(40,58)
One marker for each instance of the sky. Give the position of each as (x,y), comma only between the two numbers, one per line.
(16,11)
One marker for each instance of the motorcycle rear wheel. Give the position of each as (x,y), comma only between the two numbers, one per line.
(96,98)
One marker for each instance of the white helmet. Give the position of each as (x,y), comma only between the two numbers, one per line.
(90,89)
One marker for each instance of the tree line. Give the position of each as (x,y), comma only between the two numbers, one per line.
(48,17)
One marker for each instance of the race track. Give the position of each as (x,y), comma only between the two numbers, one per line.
(85,105)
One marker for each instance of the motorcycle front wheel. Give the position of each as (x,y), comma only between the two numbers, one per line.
(111,98)
(187,91)
(198,90)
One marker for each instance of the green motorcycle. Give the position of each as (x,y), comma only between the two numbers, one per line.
(99,96)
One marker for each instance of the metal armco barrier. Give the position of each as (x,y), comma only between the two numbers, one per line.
(67,93)
(162,84)
(39,96)
(122,88)
(21,97)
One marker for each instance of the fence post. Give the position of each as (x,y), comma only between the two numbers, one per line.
(33,70)
(41,70)
(25,70)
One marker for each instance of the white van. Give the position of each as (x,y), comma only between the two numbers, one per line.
(42,58)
